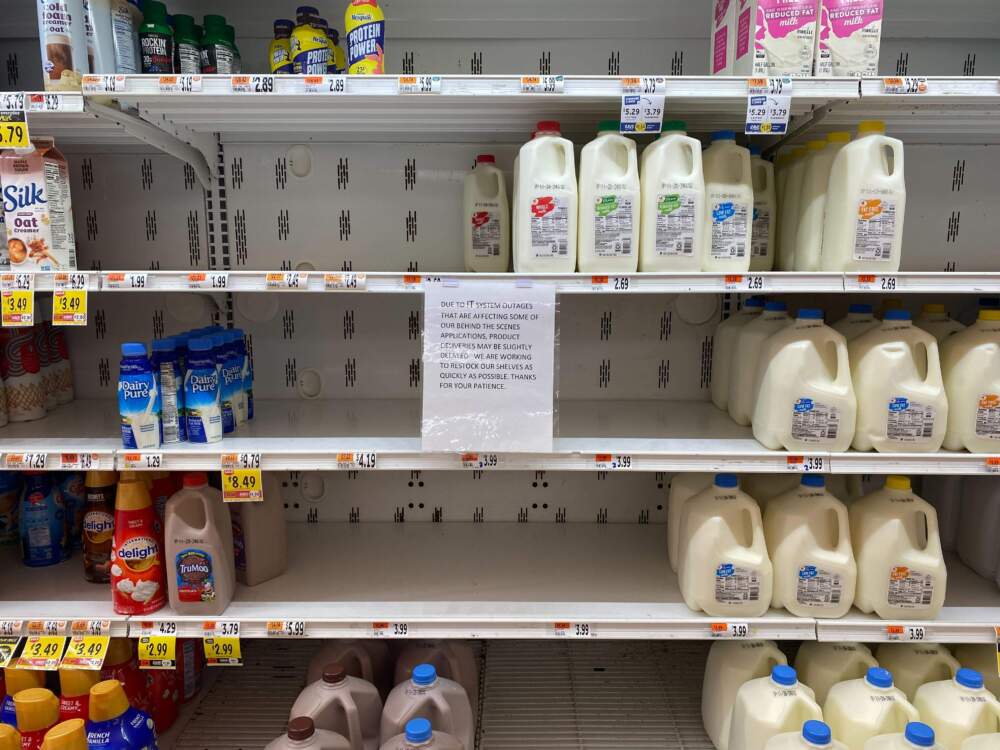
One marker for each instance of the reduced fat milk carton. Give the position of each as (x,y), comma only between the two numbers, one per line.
(721,38)
(774,37)
(848,38)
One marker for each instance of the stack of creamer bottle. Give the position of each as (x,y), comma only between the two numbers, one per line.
(842,697)
(350,703)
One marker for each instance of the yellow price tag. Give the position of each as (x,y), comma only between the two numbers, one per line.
(43,652)
(86,652)
(241,478)
(157,652)
(14,129)
(8,647)
(222,651)
(69,300)
(17,296)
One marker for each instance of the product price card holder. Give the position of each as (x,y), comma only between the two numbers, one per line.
(390,630)
(43,648)
(750,282)
(157,645)
(10,640)
(287,280)
(78,461)
(731,630)
(103,84)
(346,282)
(17,295)
(241,478)
(180,84)
(13,120)
(904,86)
(221,641)
(26,461)
(543,84)
(69,300)
(906,633)
(613,462)
(769,106)
(357,461)
(217,281)
(993,465)
(286,629)
(255,84)
(642,113)
(140,462)
(807,464)
(573,630)
(422,84)
(480,461)
(325,84)
(88,644)
(117,280)
(39,102)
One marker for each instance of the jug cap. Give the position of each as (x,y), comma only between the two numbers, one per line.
(164,345)
(813,480)
(816,145)
(486,159)
(816,733)
(609,125)
(861,308)
(756,150)
(724,135)
(418,730)
(725,480)
(200,344)
(990,303)
(871,126)
(775,306)
(897,482)
(22,679)
(66,735)
(810,313)
(933,307)
(969,678)
(195,479)
(754,302)
(838,136)
(898,315)
(75,682)
(879,677)
(133,349)
(919,734)
(673,126)
(334,673)
(784,674)
(107,701)
(10,738)
(36,708)
(424,674)
(301,728)
(282,25)
(547,126)
(989,314)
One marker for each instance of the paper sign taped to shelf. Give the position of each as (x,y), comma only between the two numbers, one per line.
(242,481)
(734,630)
(750,282)
(286,629)
(216,281)
(255,84)
(348,282)
(390,630)
(42,652)
(103,84)
(806,464)
(488,368)
(287,280)
(573,630)
(769,106)
(86,652)
(180,84)
(26,461)
(8,647)
(423,84)
(325,84)
(17,294)
(125,281)
(641,113)
(644,85)
(543,84)
(141,461)
(905,632)
(69,299)
(907,85)
(480,461)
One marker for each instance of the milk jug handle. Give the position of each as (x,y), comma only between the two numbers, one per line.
(933,362)
(695,158)
(897,155)
(843,378)
(353,717)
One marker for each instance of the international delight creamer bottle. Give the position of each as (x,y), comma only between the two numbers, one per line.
(364,24)
(138,582)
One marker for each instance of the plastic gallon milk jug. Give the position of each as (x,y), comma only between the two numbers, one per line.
(765,487)
(970,366)
(303,735)
(420,736)
(902,405)
(546,207)
(366,659)
(609,203)
(788,200)
(859,320)
(724,346)
(982,742)
(917,736)
(771,705)
(863,229)
(979,521)
(765,212)
(809,542)
(749,342)
(935,320)
(260,539)
(958,708)
(672,235)
(805,397)
(198,532)
(114,724)
(441,701)
(37,710)
(729,665)
(790,210)
(722,563)
(339,703)
(452,659)
(812,203)
(981,657)
(486,217)
(913,664)
(858,710)
(823,665)
(814,734)
(901,571)
(729,218)
(682,488)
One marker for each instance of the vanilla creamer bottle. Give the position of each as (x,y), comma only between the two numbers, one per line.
(788,226)
(863,228)
(913,664)
(935,320)
(609,203)
(958,708)
(486,216)
(682,488)
(859,320)
(546,207)
(858,710)
(902,405)
(729,219)
(749,342)
(901,570)
(724,346)
(805,397)
(812,203)
(441,701)
(339,703)
(815,735)
(722,565)
(769,706)
(970,365)
(809,542)
(916,736)
(673,233)
(765,212)
(823,665)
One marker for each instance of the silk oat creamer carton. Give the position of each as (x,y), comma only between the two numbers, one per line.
(774,37)
(848,38)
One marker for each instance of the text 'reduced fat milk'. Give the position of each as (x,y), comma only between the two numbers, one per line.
(774,37)
(721,39)
(848,37)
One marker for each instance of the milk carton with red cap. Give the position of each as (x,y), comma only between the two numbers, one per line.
(486,218)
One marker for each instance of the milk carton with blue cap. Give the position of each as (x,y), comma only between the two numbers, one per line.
(441,701)
(958,708)
(858,710)
(916,736)
(729,189)
(770,706)
(814,735)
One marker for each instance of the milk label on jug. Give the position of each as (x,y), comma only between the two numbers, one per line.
(910,588)
(875,228)
(818,587)
(676,217)
(729,228)
(195,579)
(613,230)
(909,421)
(815,422)
(486,230)
(736,585)
(988,416)
(549,222)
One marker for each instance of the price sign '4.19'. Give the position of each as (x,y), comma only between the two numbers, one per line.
(769,106)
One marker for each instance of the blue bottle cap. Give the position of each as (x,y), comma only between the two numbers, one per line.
(164,345)
(200,344)
(859,308)
(775,306)
(418,730)
(218,340)
(133,349)
(424,674)
(724,135)
(989,302)
(754,302)
(813,480)
(810,313)
(784,674)
(816,733)
(727,481)
(880,678)
(756,150)
(969,678)
(919,734)
(897,315)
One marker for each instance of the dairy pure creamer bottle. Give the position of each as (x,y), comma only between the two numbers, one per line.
(859,320)
(682,488)
(260,539)
(913,664)
(339,703)
(729,219)
(771,705)
(902,405)
(420,736)
(486,217)
(863,228)
(981,657)
(724,348)
(765,212)
(901,570)
(916,736)
(809,542)
(823,665)
(935,320)
(858,710)
(814,734)
(138,399)
(958,708)
(982,742)
(812,203)
(791,207)
(367,659)
(302,734)
(729,665)
(970,365)
(546,207)
(805,397)
(722,565)
(609,203)
(749,342)
(673,231)
(452,659)
(439,700)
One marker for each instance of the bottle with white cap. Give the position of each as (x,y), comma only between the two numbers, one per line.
(441,701)
(958,708)
(823,665)
(729,215)
(769,706)
(486,218)
(339,703)
(914,664)
(749,342)
(724,346)
(935,320)
(765,212)
(858,710)
(859,320)
(814,735)
(420,736)
(970,366)
(916,736)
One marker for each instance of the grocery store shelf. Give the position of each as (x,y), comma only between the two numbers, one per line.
(74,428)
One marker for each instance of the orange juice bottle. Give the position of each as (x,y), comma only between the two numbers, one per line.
(138,581)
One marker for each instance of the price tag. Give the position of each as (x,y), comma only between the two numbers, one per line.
(644,85)
(216,280)
(993,465)
(42,652)
(54,103)
(480,460)
(751,282)
(286,629)
(221,641)
(873,282)
(17,291)
(103,84)
(412,281)
(11,101)
(180,84)
(78,461)
(573,630)
(69,300)
(90,627)
(806,464)
(26,461)
(14,126)
(611,283)
(8,647)
(542,84)
(255,84)
(612,462)
(733,630)
(769,106)
(351,282)
(158,652)
(241,478)
(11,628)
(909,85)
(125,281)
(86,652)
(141,461)
(390,630)
(423,84)
(287,280)
(325,84)
(642,113)
(905,632)
(355,461)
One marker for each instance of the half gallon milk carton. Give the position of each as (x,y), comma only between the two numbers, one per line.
(486,218)
(729,220)
(771,705)
(970,365)
(814,734)
(958,708)
(848,38)
(914,664)
(775,37)
(823,665)
(721,38)
(858,710)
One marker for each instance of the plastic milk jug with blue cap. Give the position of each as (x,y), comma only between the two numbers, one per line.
(814,735)
(958,708)
(858,710)
(729,219)
(441,701)
(916,736)
(749,343)
(420,736)
(859,320)
(724,348)
(769,706)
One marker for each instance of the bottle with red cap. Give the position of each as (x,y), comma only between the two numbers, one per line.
(486,216)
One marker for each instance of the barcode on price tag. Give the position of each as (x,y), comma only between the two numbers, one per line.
(905,632)
(907,85)
(286,629)
(103,84)
(806,464)
(180,84)
(573,630)
(480,460)
(423,84)
(611,283)
(390,630)
(141,461)
(751,282)
(118,280)
(769,106)
(612,462)
(350,282)
(325,84)
(78,461)
(256,84)
(287,280)
(217,280)
(355,461)
(29,461)
(735,630)
(644,85)
(542,84)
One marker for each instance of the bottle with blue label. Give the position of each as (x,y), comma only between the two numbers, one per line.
(43,521)
(114,724)
(247,373)
(202,397)
(138,399)
(74,496)
(220,350)
(308,45)
(10,499)
(167,369)
(233,410)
